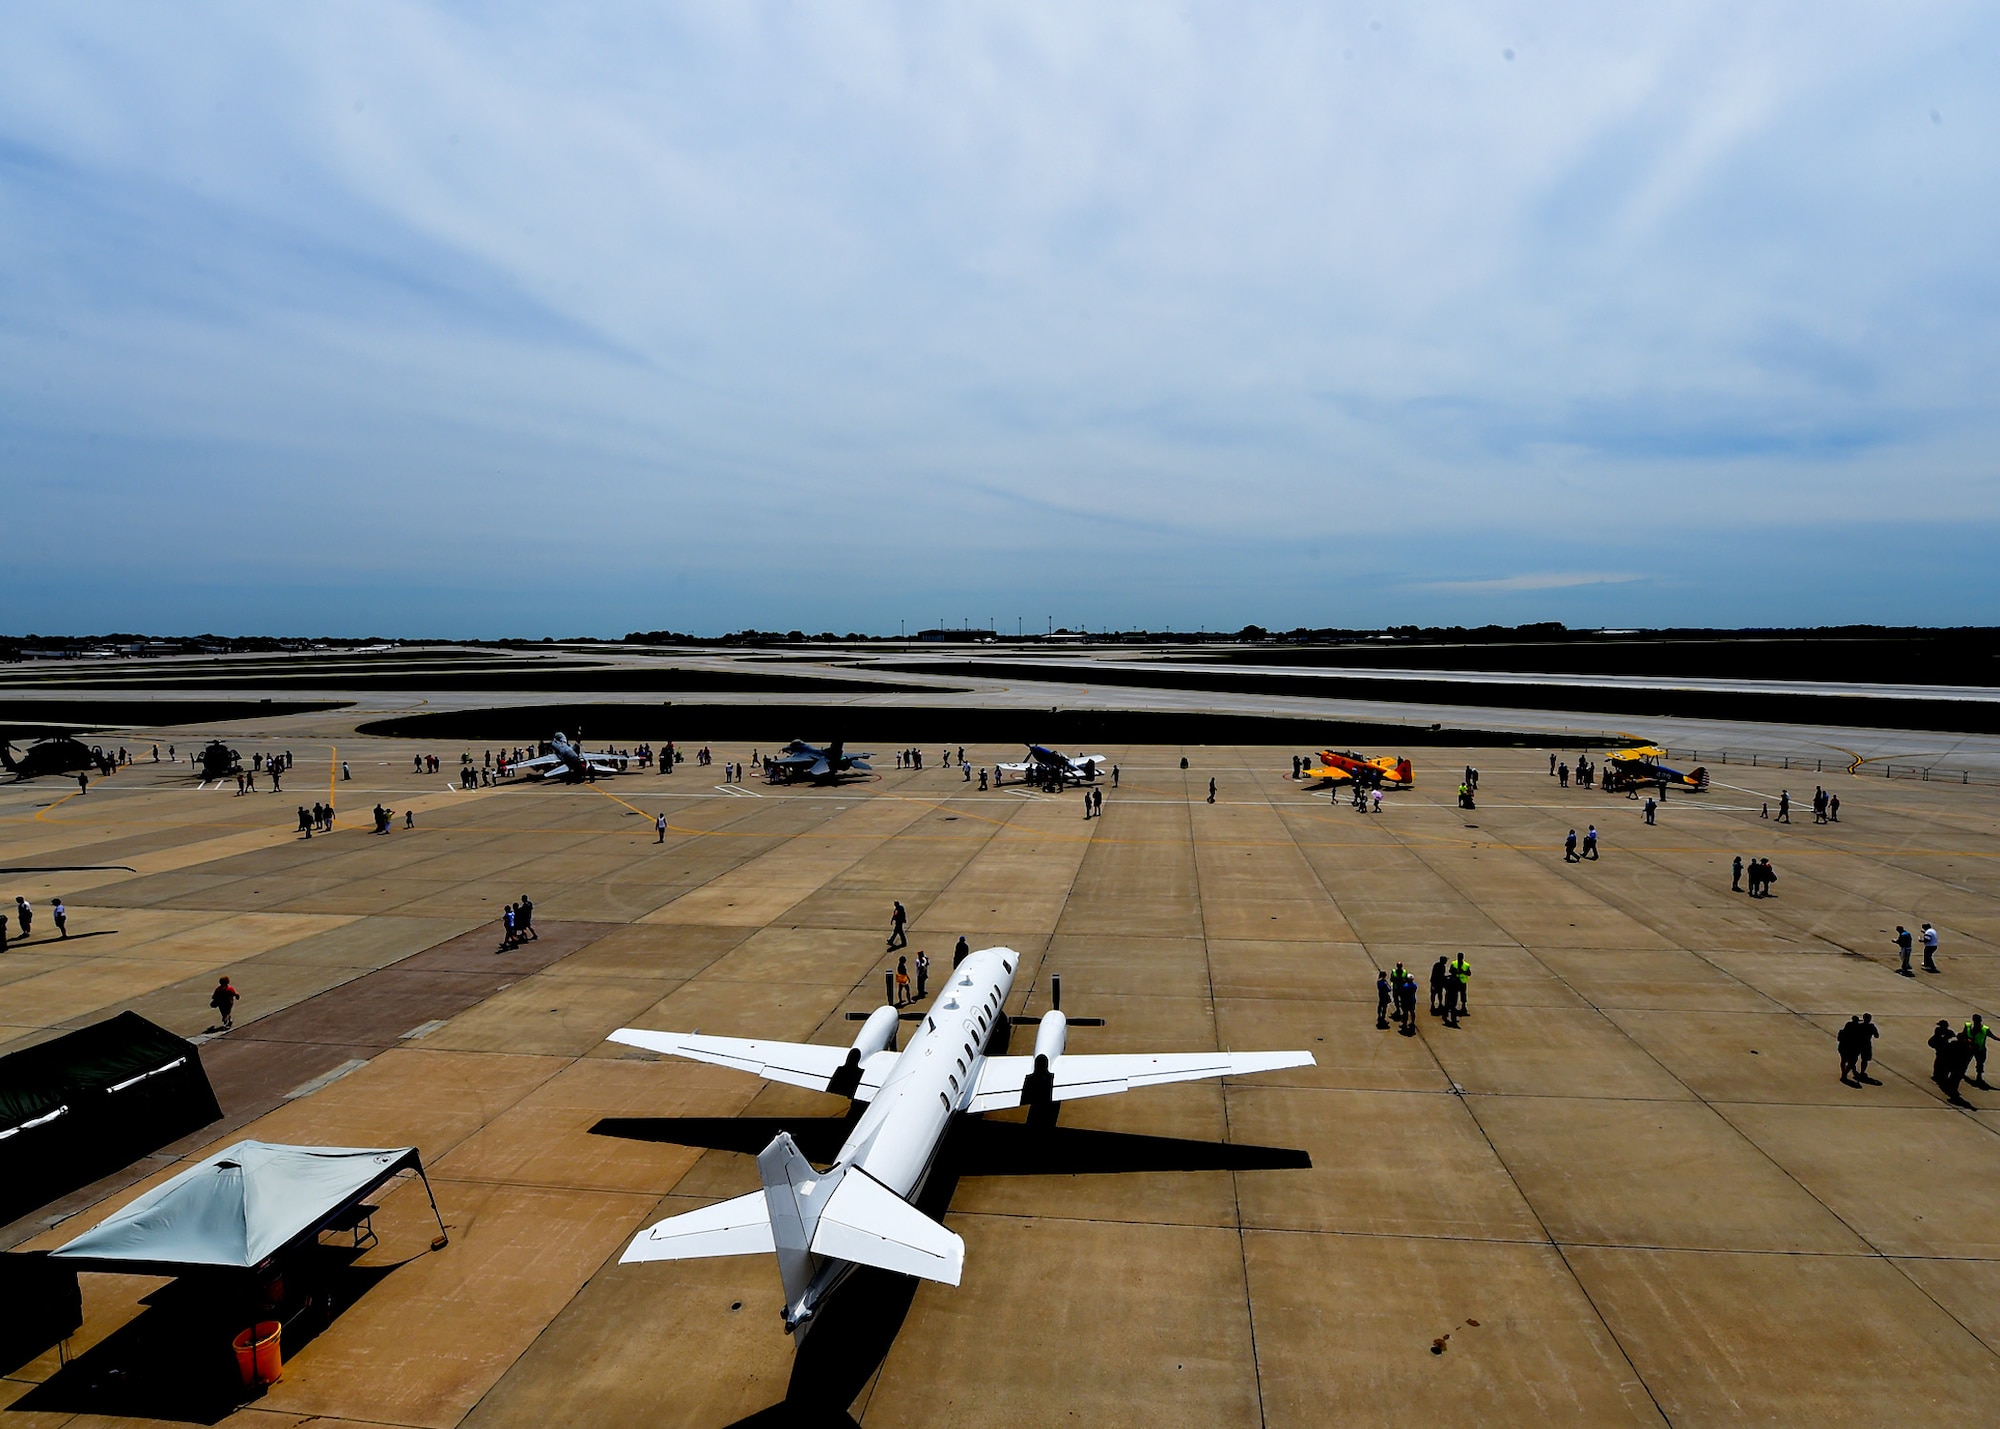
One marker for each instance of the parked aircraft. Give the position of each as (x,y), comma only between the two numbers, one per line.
(218,761)
(1339,767)
(1626,768)
(799,760)
(822,1224)
(56,755)
(568,761)
(1073,768)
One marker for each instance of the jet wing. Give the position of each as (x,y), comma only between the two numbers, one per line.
(1002,1079)
(545,761)
(738,1227)
(797,1064)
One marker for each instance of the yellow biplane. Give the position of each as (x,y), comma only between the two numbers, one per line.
(1645,764)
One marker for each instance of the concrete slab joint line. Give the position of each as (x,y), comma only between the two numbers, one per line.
(326,1079)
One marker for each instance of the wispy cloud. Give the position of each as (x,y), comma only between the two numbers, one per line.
(1544,580)
(603,309)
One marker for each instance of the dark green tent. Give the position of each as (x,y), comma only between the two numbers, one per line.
(91,1102)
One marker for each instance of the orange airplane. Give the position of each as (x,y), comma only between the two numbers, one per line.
(1338,767)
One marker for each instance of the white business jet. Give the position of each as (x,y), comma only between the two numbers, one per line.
(821,1224)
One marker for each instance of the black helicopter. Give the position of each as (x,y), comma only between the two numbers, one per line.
(218,761)
(59,754)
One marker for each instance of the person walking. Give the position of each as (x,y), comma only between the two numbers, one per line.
(1211,791)
(1569,848)
(1866,1052)
(1784,806)
(1376,797)
(1437,985)
(1929,938)
(305,821)
(1940,1045)
(1651,809)
(1904,942)
(897,937)
(524,920)
(960,951)
(1848,1043)
(923,972)
(1736,875)
(1114,776)
(61,915)
(24,912)
(507,939)
(1590,841)
(224,1000)
(1454,995)
(1833,808)
(902,982)
(1976,1032)
(1957,1058)
(660,828)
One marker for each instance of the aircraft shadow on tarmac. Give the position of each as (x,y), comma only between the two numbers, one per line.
(852,1335)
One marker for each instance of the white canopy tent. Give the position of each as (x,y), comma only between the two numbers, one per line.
(241,1206)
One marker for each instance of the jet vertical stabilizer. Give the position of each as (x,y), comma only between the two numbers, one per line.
(844,1215)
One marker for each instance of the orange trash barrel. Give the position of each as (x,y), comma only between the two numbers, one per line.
(258,1358)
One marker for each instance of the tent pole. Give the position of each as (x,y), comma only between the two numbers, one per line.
(444,1237)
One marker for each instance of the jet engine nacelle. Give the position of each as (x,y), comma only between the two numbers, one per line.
(877,1034)
(1051,1033)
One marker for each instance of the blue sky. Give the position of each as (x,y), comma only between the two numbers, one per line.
(486,320)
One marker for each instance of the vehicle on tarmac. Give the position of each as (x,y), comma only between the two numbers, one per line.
(1645,764)
(1345,766)
(58,754)
(799,762)
(822,1224)
(1054,764)
(563,760)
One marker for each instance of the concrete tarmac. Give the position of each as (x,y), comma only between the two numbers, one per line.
(1628,1189)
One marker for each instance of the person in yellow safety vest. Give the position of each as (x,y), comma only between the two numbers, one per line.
(1976,1032)
(1461,975)
(1397,977)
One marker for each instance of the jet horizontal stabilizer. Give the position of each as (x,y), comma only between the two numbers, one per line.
(1021,1021)
(738,1227)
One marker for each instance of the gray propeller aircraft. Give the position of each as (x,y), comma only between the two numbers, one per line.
(800,761)
(822,1224)
(1053,763)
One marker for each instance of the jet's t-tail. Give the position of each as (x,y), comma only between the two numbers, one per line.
(808,1217)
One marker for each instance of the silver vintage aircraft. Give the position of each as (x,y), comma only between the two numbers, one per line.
(822,1224)
(1071,768)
